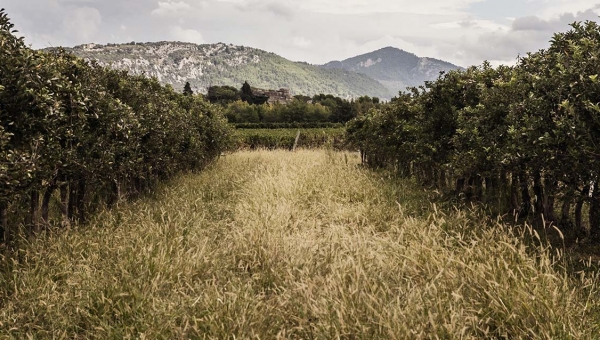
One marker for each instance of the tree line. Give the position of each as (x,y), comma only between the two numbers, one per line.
(243,106)
(78,136)
(524,139)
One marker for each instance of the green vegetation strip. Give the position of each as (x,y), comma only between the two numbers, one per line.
(308,125)
(290,245)
(284,138)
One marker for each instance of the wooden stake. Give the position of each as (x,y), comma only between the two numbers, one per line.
(296,141)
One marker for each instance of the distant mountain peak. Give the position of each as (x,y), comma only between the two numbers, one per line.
(395,68)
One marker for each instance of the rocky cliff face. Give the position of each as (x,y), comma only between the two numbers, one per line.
(173,63)
(176,63)
(381,73)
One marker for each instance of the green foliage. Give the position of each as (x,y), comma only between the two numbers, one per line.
(518,138)
(187,89)
(246,94)
(223,94)
(320,109)
(295,112)
(285,138)
(94,134)
(249,97)
(307,125)
(276,72)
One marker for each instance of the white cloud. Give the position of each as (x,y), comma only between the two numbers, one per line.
(555,8)
(186,35)
(526,34)
(302,42)
(82,22)
(280,8)
(464,32)
(485,25)
(444,7)
(170,8)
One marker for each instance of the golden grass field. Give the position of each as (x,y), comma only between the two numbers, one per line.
(282,245)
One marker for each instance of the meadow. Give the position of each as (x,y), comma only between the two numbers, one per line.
(302,245)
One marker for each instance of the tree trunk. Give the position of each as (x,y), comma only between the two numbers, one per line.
(525,197)
(81,188)
(72,199)
(565,211)
(549,199)
(443,179)
(489,189)
(478,187)
(460,185)
(501,186)
(578,208)
(114,195)
(514,194)
(64,205)
(595,213)
(469,188)
(46,202)
(538,190)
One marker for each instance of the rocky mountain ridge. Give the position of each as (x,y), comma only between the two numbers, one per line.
(176,63)
(381,73)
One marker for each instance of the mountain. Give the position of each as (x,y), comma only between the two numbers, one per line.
(176,63)
(394,68)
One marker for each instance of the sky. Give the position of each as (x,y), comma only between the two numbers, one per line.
(464,32)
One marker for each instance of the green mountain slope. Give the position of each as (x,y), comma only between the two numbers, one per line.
(219,64)
(394,68)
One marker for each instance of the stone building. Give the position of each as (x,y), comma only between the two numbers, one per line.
(282,96)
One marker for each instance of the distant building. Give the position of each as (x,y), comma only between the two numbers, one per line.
(282,96)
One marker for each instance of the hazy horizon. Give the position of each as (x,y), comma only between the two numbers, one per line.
(463,32)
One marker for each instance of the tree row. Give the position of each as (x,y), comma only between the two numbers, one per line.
(525,139)
(75,136)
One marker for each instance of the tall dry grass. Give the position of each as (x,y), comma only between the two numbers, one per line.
(304,245)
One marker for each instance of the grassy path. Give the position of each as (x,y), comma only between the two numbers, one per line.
(289,245)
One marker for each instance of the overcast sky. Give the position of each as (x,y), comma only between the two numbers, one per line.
(464,32)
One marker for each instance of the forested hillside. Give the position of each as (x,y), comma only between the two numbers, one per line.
(176,63)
